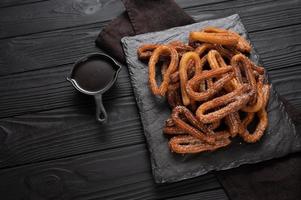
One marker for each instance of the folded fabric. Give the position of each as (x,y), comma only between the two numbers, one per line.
(140,17)
(109,38)
(277,179)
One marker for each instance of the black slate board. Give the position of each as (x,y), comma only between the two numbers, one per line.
(280,137)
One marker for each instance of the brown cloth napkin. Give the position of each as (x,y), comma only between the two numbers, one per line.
(277,179)
(140,17)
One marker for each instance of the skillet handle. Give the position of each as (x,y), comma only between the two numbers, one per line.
(101,114)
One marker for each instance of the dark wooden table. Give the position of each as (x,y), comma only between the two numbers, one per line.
(51,147)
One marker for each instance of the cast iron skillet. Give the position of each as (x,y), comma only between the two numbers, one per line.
(101,114)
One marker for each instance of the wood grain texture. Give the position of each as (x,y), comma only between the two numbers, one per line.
(47,88)
(122,173)
(217,194)
(10,3)
(64,153)
(56,14)
(256,16)
(65,46)
(48,49)
(280,50)
(68,131)
(73,130)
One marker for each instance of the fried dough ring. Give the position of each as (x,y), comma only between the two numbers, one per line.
(169,123)
(259,100)
(203,48)
(202,100)
(172,67)
(198,129)
(173,130)
(183,73)
(216,87)
(175,77)
(233,122)
(263,120)
(174,98)
(259,70)
(173,95)
(188,144)
(243,45)
(164,68)
(234,101)
(180,47)
(214,38)
(207,47)
(145,51)
(241,61)
(248,119)
(216,61)
(226,53)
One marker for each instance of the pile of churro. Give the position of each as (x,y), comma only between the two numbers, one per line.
(214,90)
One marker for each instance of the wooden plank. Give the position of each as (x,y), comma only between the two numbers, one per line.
(68,131)
(256,16)
(9,3)
(266,16)
(54,14)
(122,173)
(288,83)
(28,95)
(218,194)
(279,48)
(65,46)
(71,13)
(46,129)
(83,176)
(190,3)
(47,49)
(193,3)
(33,18)
(47,89)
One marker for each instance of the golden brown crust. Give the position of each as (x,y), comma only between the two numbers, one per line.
(263,120)
(188,144)
(214,38)
(208,83)
(242,45)
(184,63)
(197,130)
(172,67)
(233,123)
(216,87)
(232,101)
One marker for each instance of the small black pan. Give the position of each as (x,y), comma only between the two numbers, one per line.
(93,75)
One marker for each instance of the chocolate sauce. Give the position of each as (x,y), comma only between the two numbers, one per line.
(94,74)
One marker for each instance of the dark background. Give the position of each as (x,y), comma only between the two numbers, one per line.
(51,147)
